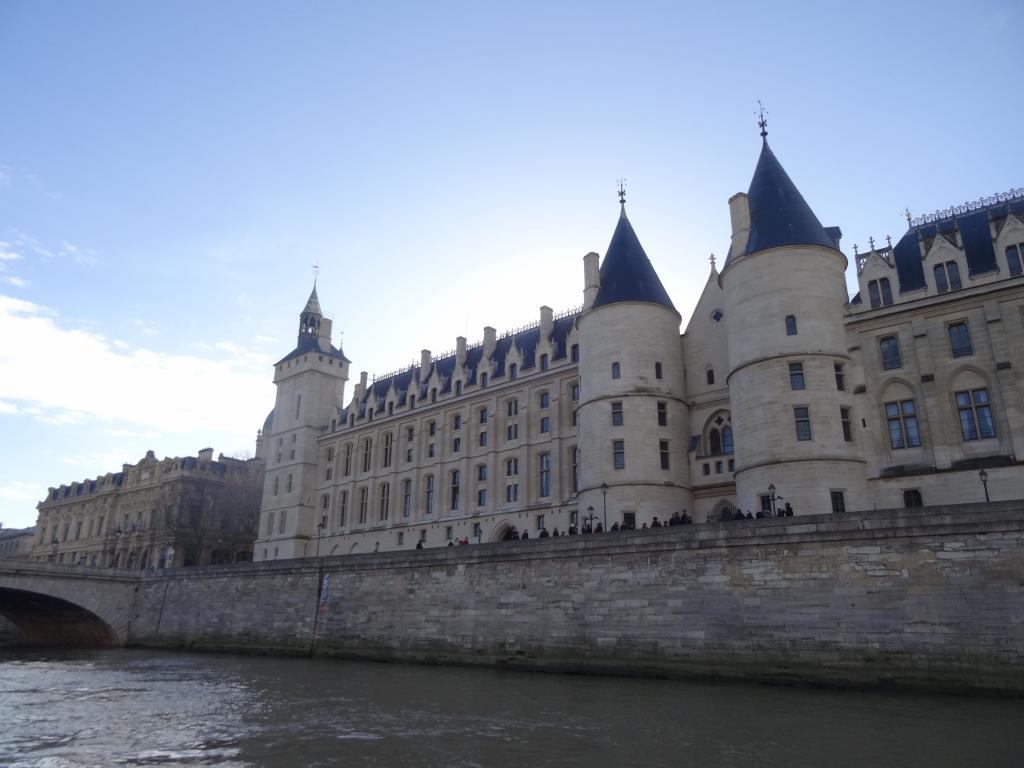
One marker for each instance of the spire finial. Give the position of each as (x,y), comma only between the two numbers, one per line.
(855,251)
(888,241)
(906,212)
(762,122)
(712,260)
(316,272)
(622,192)
(871,242)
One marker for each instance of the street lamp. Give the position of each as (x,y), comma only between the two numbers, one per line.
(590,517)
(771,496)
(604,492)
(56,546)
(983,476)
(319,533)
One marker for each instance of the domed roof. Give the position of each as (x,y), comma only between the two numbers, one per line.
(779,215)
(268,423)
(626,272)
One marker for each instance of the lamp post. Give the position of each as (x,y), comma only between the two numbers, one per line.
(771,496)
(53,554)
(590,517)
(983,476)
(319,533)
(604,493)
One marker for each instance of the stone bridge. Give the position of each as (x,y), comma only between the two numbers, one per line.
(62,605)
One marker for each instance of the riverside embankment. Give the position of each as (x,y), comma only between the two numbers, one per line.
(930,597)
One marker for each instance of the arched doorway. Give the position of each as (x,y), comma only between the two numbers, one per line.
(723,510)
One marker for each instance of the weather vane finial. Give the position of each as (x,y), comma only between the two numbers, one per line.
(762,121)
(712,260)
(906,212)
(316,272)
(622,191)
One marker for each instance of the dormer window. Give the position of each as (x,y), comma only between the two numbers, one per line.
(1013,262)
(512,371)
(544,362)
(880,293)
(947,277)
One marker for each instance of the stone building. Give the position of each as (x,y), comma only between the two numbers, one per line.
(16,543)
(154,514)
(780,390)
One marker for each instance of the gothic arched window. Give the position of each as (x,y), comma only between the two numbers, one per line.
(715,442)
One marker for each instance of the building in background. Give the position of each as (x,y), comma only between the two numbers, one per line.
(16,543)
(165,513)
(780,391)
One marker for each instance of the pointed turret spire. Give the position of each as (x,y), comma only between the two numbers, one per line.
(309,321)
(779,215)
(626,272)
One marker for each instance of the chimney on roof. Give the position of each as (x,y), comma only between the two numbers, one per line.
(547,322)
(206,454)
(591,278)
(739,214)
(424,363)
(490,339)
(324,339)
(360,388)
(460,350)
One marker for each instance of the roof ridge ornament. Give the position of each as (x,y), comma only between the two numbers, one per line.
(316,272)
(622,193)
(762,122)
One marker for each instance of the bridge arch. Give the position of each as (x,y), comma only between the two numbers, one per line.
(54,605)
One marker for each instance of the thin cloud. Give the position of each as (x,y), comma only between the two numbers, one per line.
(19,490)
(138,388)
(17,282)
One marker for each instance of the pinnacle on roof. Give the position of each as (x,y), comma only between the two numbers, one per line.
(626,272)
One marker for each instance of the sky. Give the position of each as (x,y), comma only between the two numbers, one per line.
(170,173)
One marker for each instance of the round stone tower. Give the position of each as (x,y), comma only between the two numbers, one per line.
(795,427)
(633,421)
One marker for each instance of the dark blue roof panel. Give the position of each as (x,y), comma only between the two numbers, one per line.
(779,215)
(626,272)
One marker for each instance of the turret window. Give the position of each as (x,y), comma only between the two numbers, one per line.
(619,454)
(840,377)
(617,413)
(663,451)
(657,370)
(796,376)
(790,325)
(802,417)
(844,417)
(662,414)
(710,375)
(616,371)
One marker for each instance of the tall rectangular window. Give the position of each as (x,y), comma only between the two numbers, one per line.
(545,424)
(901,418)
(457,422)
(619,454)
(840,377)
(544,461)
(890,349)
(512,492)
(941,284)
(482,439)
(432,428)
(456,444)
(348,459)
(481,497)
(662,414)
(790,325)
(366,454)
(283,525)
(363,499)
(406,497)
(456,477)
(270,523)
(428,495)
(385,500)
(342,508)
(387,450)
(873,295)
(575,452)
(663,451)
(796,376)
(481,473)
(953,270)
(617,413)
(960,340)
(545,400)
(657,370)
(512,432)
(512,408)
(511,467)
(483,415)
(616,370)
(886,291)
(844,417)
(975,414)
(544,362)
(574,392)
(802,417)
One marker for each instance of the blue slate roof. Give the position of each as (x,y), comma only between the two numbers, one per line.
(626,272)
(975,237)
(779,215)
(309,344)
(416,380)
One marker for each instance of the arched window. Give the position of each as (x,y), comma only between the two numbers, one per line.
(715,442)
(790,325)
(727,446)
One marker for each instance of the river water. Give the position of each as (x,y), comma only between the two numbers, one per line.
(133,708)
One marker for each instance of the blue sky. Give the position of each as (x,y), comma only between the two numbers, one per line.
(169,172)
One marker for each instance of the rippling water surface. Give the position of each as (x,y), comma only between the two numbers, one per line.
(132,708)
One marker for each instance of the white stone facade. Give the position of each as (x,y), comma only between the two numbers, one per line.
(778,382)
